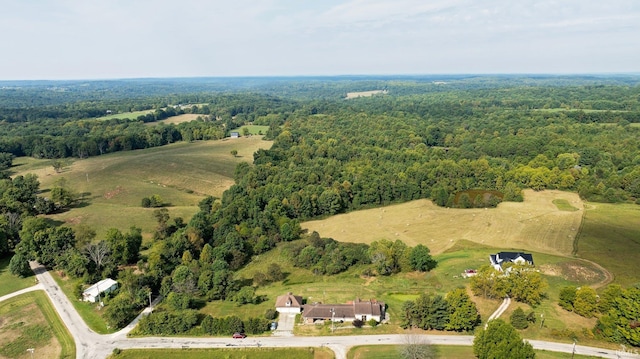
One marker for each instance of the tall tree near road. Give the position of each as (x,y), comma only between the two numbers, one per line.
(501,340)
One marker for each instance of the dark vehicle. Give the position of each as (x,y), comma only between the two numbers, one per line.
(274,325)
(239,335)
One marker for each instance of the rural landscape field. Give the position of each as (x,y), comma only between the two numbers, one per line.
(208,213)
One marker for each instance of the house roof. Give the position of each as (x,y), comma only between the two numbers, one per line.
(510,257)
(349,310)
(99,287)
(289,300)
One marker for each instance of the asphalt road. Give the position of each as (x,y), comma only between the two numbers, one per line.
(91,345)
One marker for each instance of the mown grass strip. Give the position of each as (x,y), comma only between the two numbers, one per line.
(261,353)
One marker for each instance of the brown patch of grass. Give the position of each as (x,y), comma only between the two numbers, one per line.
(536,224)
(187,117)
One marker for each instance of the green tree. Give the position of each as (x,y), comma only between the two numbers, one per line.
(463,313)
(586,302)
(234,153)
(421,259)
(567,297)
(519,319)
(501,340)
(120,311)
(19,265)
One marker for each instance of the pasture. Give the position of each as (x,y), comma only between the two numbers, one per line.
(29,321)
(112,186)
(537,224)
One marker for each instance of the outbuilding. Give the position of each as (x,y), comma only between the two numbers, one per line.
(93,293)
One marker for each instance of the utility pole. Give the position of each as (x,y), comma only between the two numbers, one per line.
(573,351)
(333,314)
(31,350)
(541,320)
(149,298)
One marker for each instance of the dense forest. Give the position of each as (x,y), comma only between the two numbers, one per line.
(439,138)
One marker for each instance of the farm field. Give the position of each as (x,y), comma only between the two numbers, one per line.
(537,224)
(29,321)
(610,236)
(112,186)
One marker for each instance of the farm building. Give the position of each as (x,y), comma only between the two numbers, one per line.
(289,303)
(506,257)
(92,294)
(235,134)
(358,309)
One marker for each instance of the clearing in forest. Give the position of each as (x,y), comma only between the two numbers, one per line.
(112,186)
(351,95)
(187,117)
(537,224)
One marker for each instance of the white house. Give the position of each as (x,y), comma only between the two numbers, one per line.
(289,303)
(92,294)
(504,257)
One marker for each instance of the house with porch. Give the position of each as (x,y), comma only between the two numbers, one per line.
(348,312)
(498,259)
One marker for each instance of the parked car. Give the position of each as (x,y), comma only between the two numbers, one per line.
(239,335)
(274,325)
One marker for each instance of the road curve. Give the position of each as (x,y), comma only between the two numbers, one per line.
(91,345)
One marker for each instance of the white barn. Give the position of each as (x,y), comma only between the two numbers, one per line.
(92,294)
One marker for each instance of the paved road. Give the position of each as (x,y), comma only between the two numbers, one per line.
(22,291)
(91,345)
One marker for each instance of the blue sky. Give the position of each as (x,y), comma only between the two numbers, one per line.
(95,39)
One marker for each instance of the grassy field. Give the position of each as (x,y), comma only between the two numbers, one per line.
(29,321)
(187,117)
(113,185)
(442,352)
(253,129)
(125,115)
(10,283)
(610,236)
(249,353)
(535,224)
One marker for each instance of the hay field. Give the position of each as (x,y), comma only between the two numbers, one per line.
(125,115)
(113,185)
(351,95)
(535,224)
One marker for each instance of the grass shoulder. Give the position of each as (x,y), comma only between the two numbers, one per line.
(9,283)
(91,313)
(262,353)
(441,352)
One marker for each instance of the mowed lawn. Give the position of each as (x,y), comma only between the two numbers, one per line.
(10,283)
(537,224)
(112,186)
(245,353)
(30,321)
(442,352)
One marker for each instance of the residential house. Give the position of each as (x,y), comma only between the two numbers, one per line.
(358,309)
(235,134)
(498,259)
(289,303)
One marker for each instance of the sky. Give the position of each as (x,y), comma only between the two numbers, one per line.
(104,39)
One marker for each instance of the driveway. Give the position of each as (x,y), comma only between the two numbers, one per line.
(286,322)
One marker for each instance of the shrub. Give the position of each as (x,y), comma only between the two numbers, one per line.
(519,319)
(146,202)
(270,314)
(372,322)
(358,323)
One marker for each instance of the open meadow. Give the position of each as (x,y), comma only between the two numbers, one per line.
(537,224)
(187,117)
(29,321)
(9,283)
(112,186)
